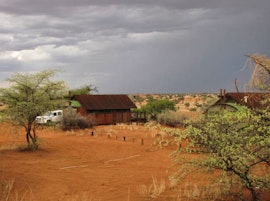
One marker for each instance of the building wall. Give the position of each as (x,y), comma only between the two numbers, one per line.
(107,117)
(113,117)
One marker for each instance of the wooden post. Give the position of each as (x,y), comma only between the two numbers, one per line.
(142,141)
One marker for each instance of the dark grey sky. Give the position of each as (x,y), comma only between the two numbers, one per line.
(135,46)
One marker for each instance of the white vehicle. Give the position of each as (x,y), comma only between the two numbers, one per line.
(51,116)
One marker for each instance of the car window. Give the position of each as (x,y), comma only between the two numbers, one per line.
(47,114)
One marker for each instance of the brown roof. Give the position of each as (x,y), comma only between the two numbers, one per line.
(248,99)
(104,102)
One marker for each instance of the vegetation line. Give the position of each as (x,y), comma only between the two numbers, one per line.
(121,159)
(73,166)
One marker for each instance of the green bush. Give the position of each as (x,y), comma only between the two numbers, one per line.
(73,120)
(155,107)
(171,118)
(193,109)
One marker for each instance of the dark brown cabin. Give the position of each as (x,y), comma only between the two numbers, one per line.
(251,100)
(234,100)
(105,109)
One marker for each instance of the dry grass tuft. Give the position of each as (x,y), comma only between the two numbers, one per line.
(82,197)
(8,147)
(194,192)
(8,192)
(154,189)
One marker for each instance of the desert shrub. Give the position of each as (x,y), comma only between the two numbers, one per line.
(193,109)
(155,107)
(73,120)
(181,98)
(171,118)
(137,98)
(150,98)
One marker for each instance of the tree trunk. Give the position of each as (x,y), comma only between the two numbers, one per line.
(31,140)
(27,138)
(249,184)
(254,194)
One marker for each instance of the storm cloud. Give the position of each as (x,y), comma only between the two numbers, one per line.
(135,46)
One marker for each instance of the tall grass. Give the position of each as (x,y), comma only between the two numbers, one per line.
(82,197)
(8,147)
(153,190)
(8,192)
(175,191)
(196,192)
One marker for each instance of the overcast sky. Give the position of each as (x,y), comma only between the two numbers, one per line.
(135,46)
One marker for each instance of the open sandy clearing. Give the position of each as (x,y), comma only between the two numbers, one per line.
(113,164)
(76,164)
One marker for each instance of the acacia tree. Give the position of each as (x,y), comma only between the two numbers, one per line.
(237,143)
(87,89)
(29,95)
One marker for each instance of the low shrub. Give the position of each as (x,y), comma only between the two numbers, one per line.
(73,120)
(171,118)
(193,109)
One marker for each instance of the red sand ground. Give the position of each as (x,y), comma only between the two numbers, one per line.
(76,166)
